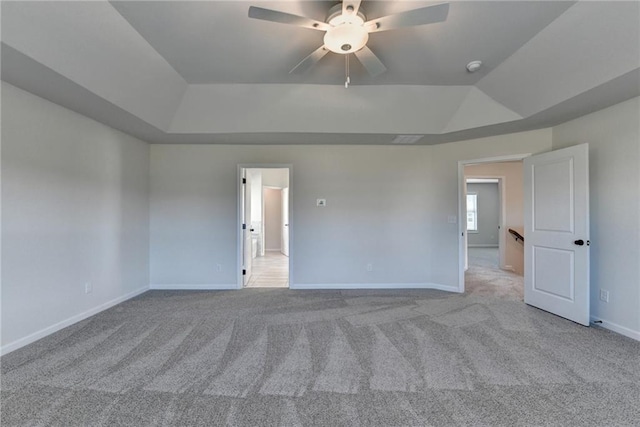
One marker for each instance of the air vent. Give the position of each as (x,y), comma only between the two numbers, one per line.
(406,139)
(482,180)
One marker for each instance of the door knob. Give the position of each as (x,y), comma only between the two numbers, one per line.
(579,242)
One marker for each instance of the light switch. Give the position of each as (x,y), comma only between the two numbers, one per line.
(321,202)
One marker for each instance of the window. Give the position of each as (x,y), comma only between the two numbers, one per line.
(472,212)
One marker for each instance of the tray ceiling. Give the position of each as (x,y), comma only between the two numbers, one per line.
(203,72)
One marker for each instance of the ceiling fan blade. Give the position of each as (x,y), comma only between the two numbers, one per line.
(310,60)
(286,18)
(350,6)
(370,61)
(410,18)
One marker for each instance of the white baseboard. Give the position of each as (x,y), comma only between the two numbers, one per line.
(375,286)
(446,288)
(8,348)
(622,330)
(191,287)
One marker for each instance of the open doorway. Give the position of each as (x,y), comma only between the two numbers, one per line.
(484,221)
(491,201)
(264,217)
(554,233)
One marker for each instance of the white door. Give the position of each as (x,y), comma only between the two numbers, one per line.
(556,247)
(285,221)
(246,228)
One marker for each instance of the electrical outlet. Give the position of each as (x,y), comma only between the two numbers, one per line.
(370,266)
(604,295)
(321,203)
(219,268)
(88,288)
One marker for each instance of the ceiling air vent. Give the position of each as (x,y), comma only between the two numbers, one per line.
(406,139)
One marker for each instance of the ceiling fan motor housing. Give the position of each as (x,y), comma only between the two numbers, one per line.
(347,33)
(346,38)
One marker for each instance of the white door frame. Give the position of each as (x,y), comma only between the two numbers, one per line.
(239,242)
(462,203)
(285,225)
(502,214)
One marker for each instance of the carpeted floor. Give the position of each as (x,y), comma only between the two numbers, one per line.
(483,257)
(353,358)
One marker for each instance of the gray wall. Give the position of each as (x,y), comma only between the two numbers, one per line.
(613,135)
(75,209)
(488,215)
(378,212)
(388,206)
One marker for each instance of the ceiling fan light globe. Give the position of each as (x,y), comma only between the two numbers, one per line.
(350,36)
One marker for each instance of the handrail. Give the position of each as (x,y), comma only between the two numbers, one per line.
(516,235)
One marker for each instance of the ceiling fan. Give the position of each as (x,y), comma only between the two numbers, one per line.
(347,30)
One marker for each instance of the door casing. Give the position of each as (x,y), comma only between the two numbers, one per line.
(239,239)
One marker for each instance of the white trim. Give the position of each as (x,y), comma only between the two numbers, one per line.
(622,330)
(375,286)
(21,342)
(193,287)
(496,159)
(482,245)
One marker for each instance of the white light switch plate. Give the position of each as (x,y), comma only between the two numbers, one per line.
(321,202)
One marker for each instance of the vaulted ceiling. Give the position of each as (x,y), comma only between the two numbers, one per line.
(203,72)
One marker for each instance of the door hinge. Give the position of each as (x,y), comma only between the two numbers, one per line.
(244,180)
(244,272)
(244,226)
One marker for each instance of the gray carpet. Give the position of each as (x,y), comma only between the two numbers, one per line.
(330,358)
(483,257)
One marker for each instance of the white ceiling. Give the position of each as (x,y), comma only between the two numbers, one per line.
(182,71)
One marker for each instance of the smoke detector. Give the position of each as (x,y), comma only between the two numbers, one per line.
(474,66)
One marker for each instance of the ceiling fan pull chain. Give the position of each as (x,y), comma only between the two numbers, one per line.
(347,79)
(346,72)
